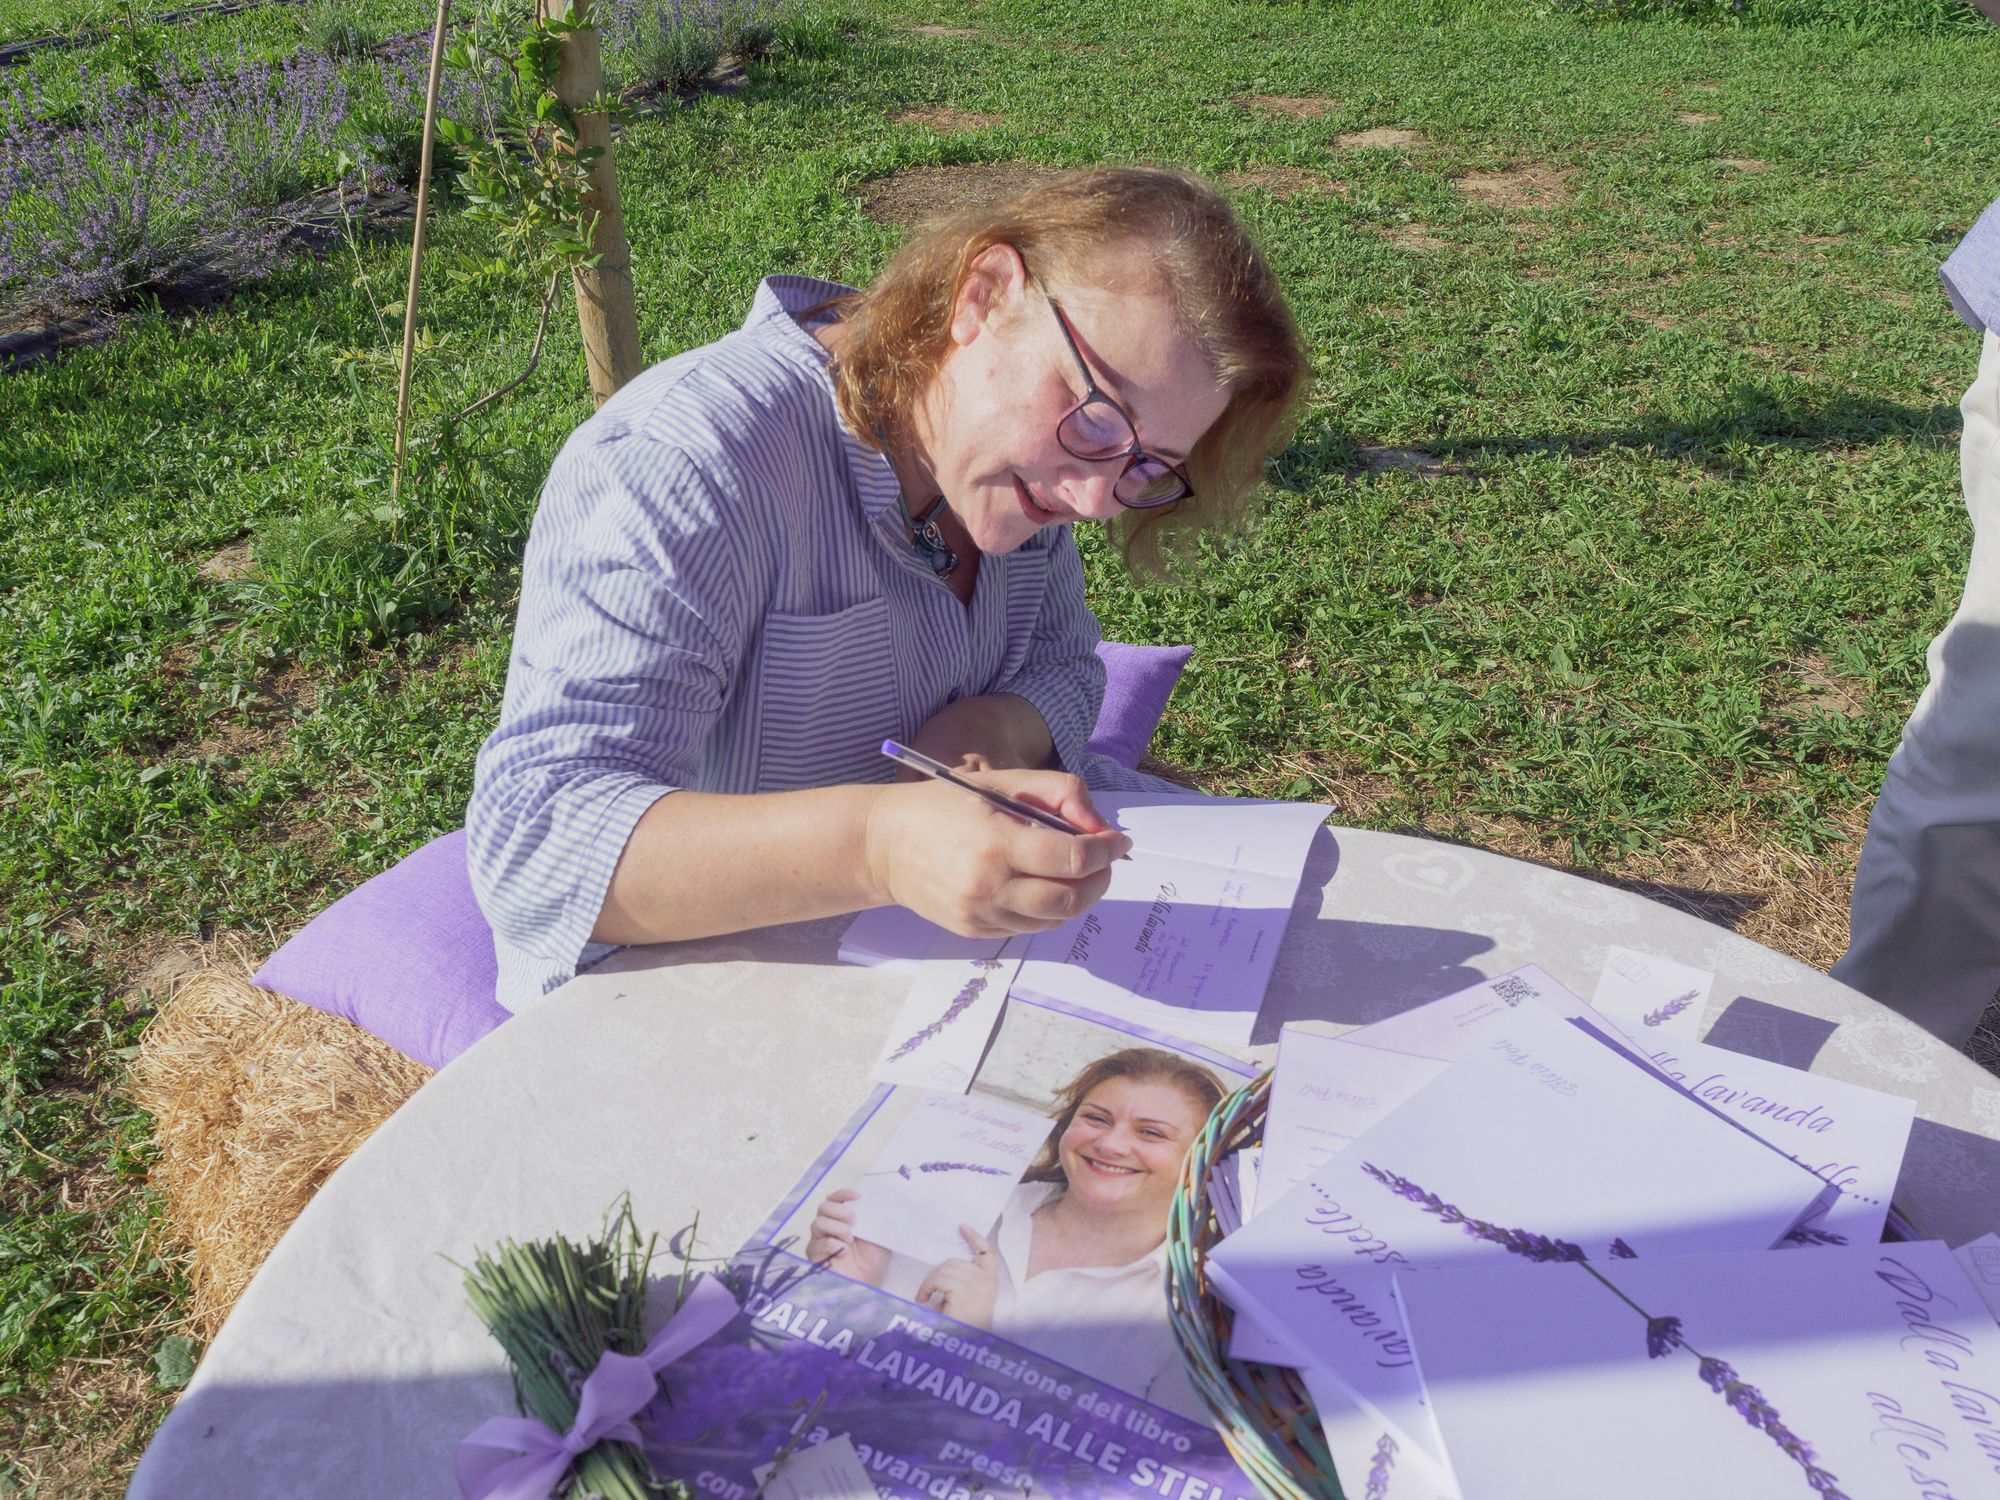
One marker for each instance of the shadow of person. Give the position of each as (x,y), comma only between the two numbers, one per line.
(1352,972)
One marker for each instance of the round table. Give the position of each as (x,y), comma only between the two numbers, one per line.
(704,1077)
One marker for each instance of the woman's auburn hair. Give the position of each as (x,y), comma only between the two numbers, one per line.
(1092,229)
(1141,1065)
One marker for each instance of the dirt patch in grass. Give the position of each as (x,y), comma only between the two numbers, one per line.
(919,195)
(1380,138)
(1696,117)
(1518,187)
(232,562)
(963,32)
(1414,237)
(948,121)
(1298,106)
(1820,689)
(1742,163)
(1285,182)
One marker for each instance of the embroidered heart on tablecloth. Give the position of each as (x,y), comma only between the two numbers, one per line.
(1436,870)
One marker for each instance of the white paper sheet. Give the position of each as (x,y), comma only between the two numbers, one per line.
(1326,1092)
(1652,995)
(1854,1137)
(952,1160)
(1369,1462)
(1446,1029)
(1541,1131)
(1876,1361)
(1185,938)
(829,1470)
(948,1017)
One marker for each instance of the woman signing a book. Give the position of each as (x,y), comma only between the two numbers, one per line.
(1075,1266)
(848,521)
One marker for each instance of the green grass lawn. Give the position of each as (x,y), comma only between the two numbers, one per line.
(1623,510)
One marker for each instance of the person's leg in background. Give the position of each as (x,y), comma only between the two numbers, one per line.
(1925,935)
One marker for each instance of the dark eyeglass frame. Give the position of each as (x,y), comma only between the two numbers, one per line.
(1134,455)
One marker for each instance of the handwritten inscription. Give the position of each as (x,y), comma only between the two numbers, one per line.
(1719,1090)
(1392,1348)
(1949,1350)
(1522,1058)
(1330,1219)
(1162,908)
(1079,949)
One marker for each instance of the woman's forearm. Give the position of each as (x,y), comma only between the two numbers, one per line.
(992,732)
(700,864)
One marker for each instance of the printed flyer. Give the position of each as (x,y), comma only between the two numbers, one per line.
(1028,1349)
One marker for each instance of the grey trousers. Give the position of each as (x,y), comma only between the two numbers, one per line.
(1926,918)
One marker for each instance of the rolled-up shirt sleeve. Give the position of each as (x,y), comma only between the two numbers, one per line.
(635,605)
(1061,673)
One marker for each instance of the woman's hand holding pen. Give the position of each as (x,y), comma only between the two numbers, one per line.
(981,872)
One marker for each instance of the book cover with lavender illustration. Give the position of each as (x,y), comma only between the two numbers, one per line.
(1540,1125)
(1851,1136)
(1870,1372)
(1028,1353)
(951,1159)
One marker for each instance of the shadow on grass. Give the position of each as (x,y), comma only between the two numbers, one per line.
(1752,420)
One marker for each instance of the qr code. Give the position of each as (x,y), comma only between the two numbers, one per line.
(1513,989)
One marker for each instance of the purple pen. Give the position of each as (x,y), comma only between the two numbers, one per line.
(920,762)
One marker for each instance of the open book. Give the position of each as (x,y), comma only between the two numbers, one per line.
(1185,938)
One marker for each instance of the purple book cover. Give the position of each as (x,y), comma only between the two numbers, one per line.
(1038,1360)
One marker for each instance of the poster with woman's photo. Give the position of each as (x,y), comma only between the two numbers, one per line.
(1008,1330)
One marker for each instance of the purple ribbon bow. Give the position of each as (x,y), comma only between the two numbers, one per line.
(522,1458)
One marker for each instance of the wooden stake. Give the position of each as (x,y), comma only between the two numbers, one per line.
(417,244)
(605,308)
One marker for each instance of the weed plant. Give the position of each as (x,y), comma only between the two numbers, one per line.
(339,28)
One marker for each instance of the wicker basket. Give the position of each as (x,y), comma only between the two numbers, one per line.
(1262,1411)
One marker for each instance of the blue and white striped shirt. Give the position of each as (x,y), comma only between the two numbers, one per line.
(718,593)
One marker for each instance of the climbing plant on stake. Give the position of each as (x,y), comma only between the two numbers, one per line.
(605,306)
(537,164)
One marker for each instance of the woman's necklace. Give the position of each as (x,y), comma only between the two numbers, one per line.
(927,538)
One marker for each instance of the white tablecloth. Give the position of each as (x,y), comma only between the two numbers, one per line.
(703,1077)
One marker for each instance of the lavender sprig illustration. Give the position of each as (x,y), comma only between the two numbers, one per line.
(1515,1241)
(1622,1251)
(1671,1009)
(1663,1334)
(960,1003)
(1806,1234)
(1378,1471)
(908,1170)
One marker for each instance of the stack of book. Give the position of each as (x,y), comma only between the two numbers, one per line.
(1514,1252)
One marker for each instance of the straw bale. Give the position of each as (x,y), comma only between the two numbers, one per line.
(255,1100)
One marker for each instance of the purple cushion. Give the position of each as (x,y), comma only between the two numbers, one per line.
(1137,682)
(407,956)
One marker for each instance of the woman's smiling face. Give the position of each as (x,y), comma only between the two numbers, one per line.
(990,428)
(1123,1147)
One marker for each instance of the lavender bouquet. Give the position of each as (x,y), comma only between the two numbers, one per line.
(556,1308)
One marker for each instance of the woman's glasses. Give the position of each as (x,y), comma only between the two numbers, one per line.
(1097,428)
